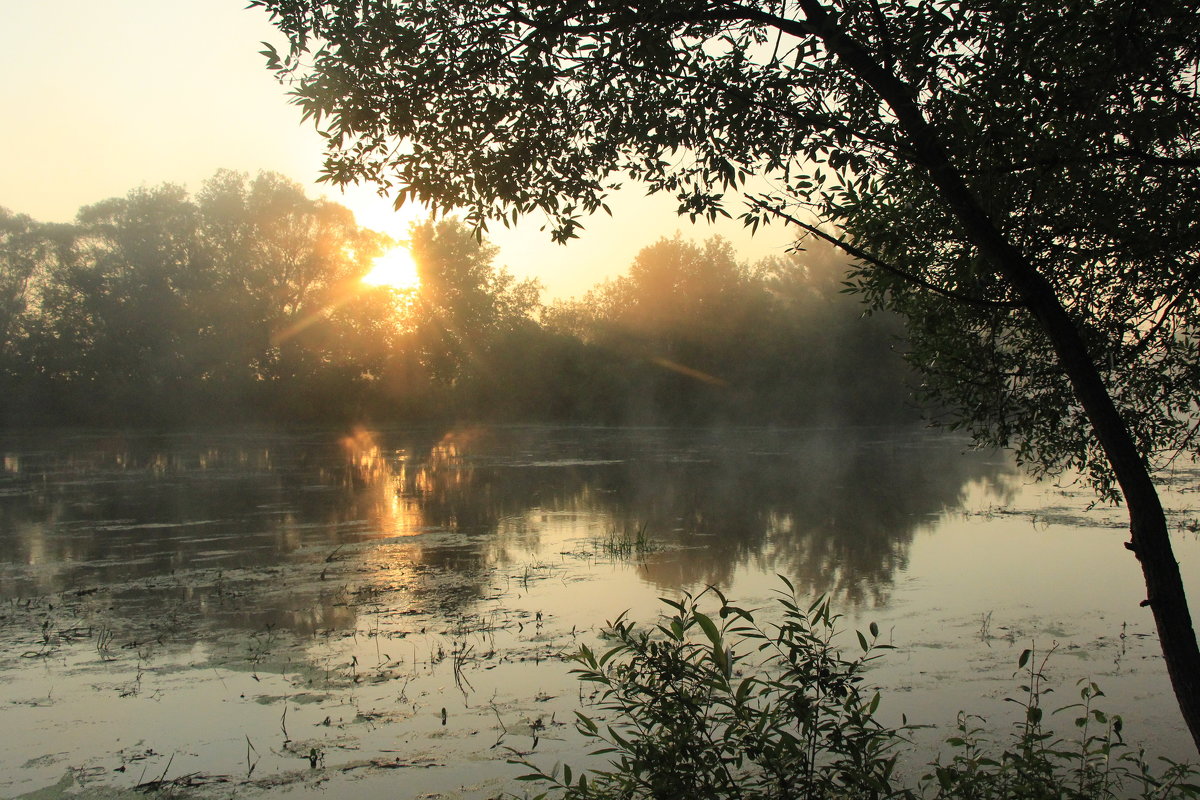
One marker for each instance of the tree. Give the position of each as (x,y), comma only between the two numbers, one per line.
(24,249)
(291,306)
(27,249)
(158,306)
(117,311)
(467,304)
(682,315)
(701,337)
(1018,178)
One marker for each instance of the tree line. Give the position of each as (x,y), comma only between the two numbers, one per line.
(244,303)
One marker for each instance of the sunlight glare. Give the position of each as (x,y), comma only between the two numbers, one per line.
(394,269)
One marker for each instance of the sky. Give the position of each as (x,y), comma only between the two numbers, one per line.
(103,96)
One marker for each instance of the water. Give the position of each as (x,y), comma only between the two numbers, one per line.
(385,614)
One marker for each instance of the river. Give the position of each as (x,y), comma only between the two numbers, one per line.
(386,613)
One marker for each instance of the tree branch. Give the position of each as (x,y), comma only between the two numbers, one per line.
(892,269)
(1189,283)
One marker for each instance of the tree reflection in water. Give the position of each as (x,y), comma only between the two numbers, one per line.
(835,510)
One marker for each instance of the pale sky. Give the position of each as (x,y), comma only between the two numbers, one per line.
(103,96)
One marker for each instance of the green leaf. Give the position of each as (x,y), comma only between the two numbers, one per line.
(721,659)
(587,722)
(710,630)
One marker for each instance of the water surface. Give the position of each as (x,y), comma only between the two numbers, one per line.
(387,612)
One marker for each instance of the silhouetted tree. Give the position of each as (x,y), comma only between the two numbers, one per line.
(1019,180)
(292,266)
(24,250)
(468,309)
(158,307)
(27,251)
(702,337)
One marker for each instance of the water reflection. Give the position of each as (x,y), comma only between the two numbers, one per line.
(834,510)
(835,514)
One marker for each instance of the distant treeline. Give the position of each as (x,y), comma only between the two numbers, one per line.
(243,304)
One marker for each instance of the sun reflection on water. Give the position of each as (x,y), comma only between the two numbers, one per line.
(391,511)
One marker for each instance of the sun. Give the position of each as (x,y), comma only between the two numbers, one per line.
(394,269)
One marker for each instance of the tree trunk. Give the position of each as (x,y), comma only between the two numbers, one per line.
(1149,539)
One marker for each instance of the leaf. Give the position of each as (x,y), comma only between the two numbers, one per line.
(720,657)
(1024,659)
(675,604)
(710,630)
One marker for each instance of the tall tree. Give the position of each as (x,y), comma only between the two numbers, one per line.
(158,305)
(24,250)
(702,337)
(466,301)
(290,265)
(117,313)
(28,249)
(1019,178)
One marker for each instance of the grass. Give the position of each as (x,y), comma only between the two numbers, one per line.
(626,544)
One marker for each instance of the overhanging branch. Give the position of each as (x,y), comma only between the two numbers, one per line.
(875,261)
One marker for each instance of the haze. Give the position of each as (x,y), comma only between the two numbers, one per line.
(106,97)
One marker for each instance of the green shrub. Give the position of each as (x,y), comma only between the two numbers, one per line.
(698,708)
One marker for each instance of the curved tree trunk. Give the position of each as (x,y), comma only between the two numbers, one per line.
(1149,538)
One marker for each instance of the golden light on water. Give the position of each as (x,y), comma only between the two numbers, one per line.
(394,269)
(383,477)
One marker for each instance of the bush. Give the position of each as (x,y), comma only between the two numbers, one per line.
(698,708)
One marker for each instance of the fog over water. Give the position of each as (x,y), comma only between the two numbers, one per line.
(366,580)
(835,509)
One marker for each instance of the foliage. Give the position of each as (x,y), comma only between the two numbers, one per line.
(24,247)
(707,338)
(1018,179)
(163,307)
(688,722)
(1077,129)
(243,302)
(949,141)
(710,709)
(467,304)
(1036,762)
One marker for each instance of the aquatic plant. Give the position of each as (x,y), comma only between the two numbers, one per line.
(626,543)
(721,706)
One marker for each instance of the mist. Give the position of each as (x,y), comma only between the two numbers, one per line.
(244,304)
